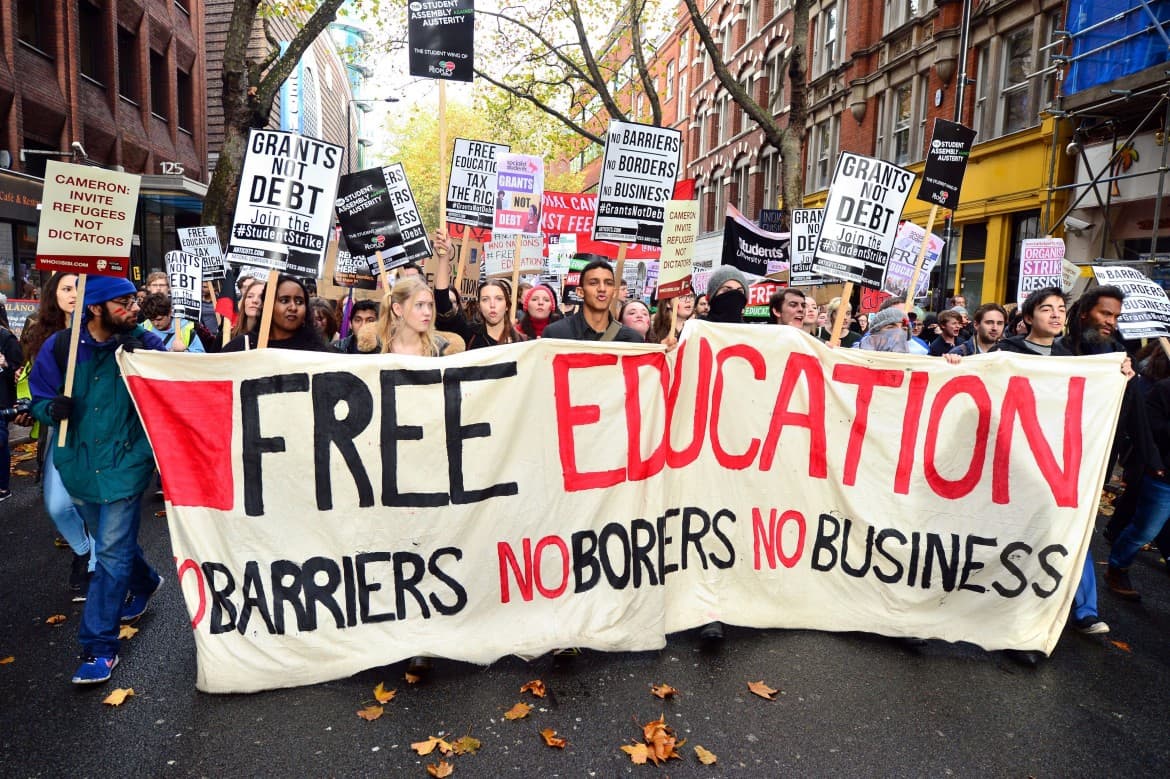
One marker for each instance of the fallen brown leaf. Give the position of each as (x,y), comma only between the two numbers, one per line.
(118,696)
(536,687)
(663,691)
(428,746)
(370,713)
(7,660)
(412,678)
(441,769)
(552,739)
(127,631)
(382,695)
(467,745)
(519,711)
(639,753)
(56,619)
(763,690)
(661,740)
(705,757)
(21,472)
(1124,647)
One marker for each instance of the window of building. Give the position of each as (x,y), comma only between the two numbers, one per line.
(727,45)
(1016,105)
(724,117)
(823,153)
(683,101)
(742,190)
(91,53)
(34,24)
(718,202)
(826,54)
(684,49)
(159,94)
(670,80)
(776,77)
(983,78)
(310,104)
(901,123)
(753,17)
(704,137)
(898,12)
(770,170)
(186,98)
(128,65)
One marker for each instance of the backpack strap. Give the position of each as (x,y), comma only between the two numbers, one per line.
(611,332)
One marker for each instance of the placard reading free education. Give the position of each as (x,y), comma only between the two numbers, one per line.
(1145,312)
(204,242)
(368,219)
(87,219)
(284,212)
(185,272)
(806,226)
(866,199)
(900,268)
(1041,265)
(415,242)
(637,179)
(471,190)
(441,36)
(519,188)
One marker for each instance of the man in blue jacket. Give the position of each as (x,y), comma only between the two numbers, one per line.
(106,462)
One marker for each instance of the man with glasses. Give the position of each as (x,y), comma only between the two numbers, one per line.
(105,464)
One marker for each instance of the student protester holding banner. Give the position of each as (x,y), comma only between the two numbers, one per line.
(849,336)
(291,327)
(495,302)
(593,321)
(787,307)
(106,438)
(661,323)
(156,312)
(990,320)
(950,322)
(540,310)
(727,294)
(364,314)
(635,315)
(889,331)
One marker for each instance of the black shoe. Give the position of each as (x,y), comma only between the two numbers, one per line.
(1029,658)
(1117,580)
(419,666)
(712,631)
(79,578)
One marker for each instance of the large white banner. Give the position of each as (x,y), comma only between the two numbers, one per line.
(328,516)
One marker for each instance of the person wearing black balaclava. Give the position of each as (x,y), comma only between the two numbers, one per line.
(727,294)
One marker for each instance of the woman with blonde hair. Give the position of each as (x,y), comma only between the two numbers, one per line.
(406,324)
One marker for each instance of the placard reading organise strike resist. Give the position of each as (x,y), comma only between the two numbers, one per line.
(806,226)
(861,218)
(471,191)
(87,219)
(284,212)
(204,242)
(185,272)
(519,188)
(1041,265)
(637,178)
(415,242)
(1145,312)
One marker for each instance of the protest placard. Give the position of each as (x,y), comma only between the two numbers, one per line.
(574,212)
(416,245)
(369,221)
(353,272)
(678,249)
(806,226)
(87,219)
(1145,311)
(440,504)
(441,37)
(471,189)
(284,212)
(771,220)
(946,163)
(637,178)
(865,202)
(1041,265)
(204,242)
(561,249)
(907,248)
(752,250)
(185,272)
(519,186)
(499,256)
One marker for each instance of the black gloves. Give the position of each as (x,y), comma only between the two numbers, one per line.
(60,407)
(130,343)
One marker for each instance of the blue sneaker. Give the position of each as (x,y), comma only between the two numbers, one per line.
(135,605)
(95,670)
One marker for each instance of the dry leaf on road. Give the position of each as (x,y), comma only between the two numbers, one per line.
(412,678)
(661,740)
(118,696)
(428,746)
(763,690)
(1124,647)
(441,769)
(536,687)
(466,745)
(127,631)
(7,660)
(370,713)
(552,739)
(663,691)
(519,711)
(639,753)
(56,619)
(705,757)
(382,695)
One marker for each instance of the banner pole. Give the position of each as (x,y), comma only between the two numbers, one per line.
(616,305)
(839,322)
(71,363)
(516,273)
(442,155)
(1165,343)
(382,271)
(269,303)
(921,255)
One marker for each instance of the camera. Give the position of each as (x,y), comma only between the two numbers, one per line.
(23,406)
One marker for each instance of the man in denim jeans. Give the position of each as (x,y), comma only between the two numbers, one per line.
(105,464)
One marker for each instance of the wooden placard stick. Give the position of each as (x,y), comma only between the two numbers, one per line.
(839,322)
(616,305)
(382,272)
(443,155)
(464,252)
(269,303)
(921,256)
(1165,343)
(71,362)
(515,272)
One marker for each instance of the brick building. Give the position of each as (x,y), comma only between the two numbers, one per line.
(117,83)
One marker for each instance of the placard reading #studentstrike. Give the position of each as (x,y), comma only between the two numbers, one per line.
(185,271)
(345,513)
(87,219)
(204,242)
(806,226)
(471,189)
(284,212)
(865,202)
(637,178)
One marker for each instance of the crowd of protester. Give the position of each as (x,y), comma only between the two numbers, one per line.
(96,518)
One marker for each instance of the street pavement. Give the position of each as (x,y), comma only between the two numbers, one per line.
(851,704)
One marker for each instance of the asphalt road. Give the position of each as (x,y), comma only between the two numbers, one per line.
(852,704)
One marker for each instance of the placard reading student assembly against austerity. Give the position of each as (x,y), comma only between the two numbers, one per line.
(284,212)
(637,178)
(426,515)
(865,202)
